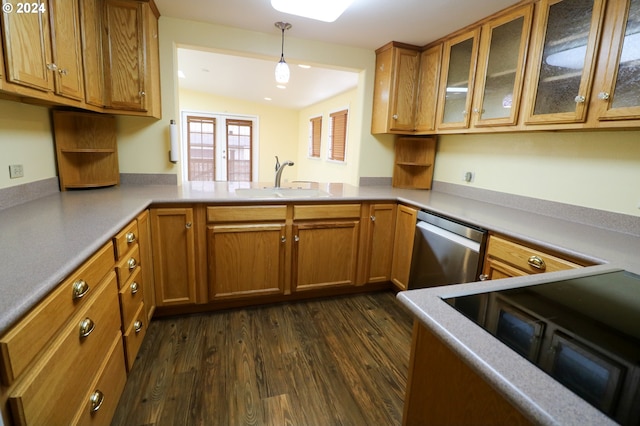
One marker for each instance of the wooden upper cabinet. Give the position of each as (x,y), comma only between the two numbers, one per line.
(394,94)
(563,60)
(618,91)
(27,47)
(124,62)
(501,63)
(66,48)
(91,35)
(457,79)
(427,97)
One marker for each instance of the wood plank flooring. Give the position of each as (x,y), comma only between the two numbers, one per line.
(336,361)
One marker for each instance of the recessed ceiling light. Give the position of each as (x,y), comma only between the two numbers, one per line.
(321,10)
(280,86)
(267,99)
(181,74)
(304,66)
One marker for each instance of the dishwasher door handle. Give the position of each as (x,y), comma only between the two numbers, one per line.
(470,244)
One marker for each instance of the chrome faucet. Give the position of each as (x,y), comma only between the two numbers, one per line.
(279,168)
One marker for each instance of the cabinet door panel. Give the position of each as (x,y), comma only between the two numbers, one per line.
(382,219)
(174,256)
(458,71)
(561,83)
(501,68)
(619,95)
(404,95)
(430,64)
(65,34)
(246,260)
(27,48)
(337,242)
(123,55)
(403,246)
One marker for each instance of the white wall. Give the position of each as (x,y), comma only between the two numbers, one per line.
(25,138)
(597,169)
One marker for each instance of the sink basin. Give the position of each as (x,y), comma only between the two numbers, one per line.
(281,192)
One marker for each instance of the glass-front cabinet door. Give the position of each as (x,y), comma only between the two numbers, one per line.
(501,64)
(560,86)
(619,93)
(456,84)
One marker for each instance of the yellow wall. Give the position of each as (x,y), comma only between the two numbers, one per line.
(25,138)
(321,169)
(277,127)
(592,169)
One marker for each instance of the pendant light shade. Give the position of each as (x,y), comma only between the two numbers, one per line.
(282,69)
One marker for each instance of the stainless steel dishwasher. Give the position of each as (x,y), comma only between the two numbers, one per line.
(445,252)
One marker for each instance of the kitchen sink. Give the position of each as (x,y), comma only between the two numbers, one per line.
(281,193)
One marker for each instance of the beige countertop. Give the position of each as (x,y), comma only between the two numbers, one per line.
(46,239)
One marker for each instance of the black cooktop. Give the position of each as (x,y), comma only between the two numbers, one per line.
(584,332)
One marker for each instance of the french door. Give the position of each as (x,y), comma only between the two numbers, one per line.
(218,147)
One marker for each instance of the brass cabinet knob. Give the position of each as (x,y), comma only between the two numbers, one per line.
(483,277)
(130,237)
(86,327)
(137,326)
(580,99)
(132,263)
(537,262)
(134,287)
(96,399)
(80,288)
(604,96)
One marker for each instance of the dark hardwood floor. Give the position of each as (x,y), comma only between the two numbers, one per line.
(337,361)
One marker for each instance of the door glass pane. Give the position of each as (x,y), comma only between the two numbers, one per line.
(563,56)
(458,82)
(627,90)
(504,53)
(239,135)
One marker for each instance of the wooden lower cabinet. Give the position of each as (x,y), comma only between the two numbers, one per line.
(403,246)
(443,390)
(325,246)
(378,227)
(505,258)
(174,254)
(246,251)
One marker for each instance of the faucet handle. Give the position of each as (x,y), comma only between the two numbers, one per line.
(277,163)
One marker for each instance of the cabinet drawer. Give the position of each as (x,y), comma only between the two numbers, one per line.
(326,211)
(134,336)
(53,390)
(246,213)
(126,239)
(131,297)
(126,266)
(22,343)
(105,391)
(527,259)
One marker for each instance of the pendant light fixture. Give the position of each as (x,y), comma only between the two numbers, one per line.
(282,69)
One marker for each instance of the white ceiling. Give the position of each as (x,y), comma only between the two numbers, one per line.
(365,24)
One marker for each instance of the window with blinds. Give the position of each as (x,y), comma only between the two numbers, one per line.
(315,136)
(201,138)
(338,135)
(239,137)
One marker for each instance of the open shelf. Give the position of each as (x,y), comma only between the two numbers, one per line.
(86,149)
(414,161)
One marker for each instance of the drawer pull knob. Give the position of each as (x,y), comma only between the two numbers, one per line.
(132,264)
(537,262)
(80,288)
(137,326)
(86,327)
(134,287)
(483,277)
(130,237)
(96,400)
(283,239)
(373,218)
